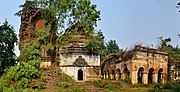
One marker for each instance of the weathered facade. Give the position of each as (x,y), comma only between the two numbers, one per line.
(140,65)
(78,63)
(75,58)
(30,19)
(31,22)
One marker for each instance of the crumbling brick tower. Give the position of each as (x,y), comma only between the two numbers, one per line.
(31,19)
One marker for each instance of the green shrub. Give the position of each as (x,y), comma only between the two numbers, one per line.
(24,70)
(41,85)
(128,80)
(109,86)
(63,85)
(10,90)
(168,86)
(99,83)
(23,83)
(77,89)
(18,77)
(64,77)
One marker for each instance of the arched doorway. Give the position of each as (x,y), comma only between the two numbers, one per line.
(80,74)
(118,73)
(160,75)
(113,74)
(126,72)
(150,75)
(140,75)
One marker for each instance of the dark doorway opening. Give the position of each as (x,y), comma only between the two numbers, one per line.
(160,75)
(126,72)
(150,75)
(119,73)
(80,74)
(140,74)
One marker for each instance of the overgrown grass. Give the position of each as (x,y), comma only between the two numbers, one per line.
(99,83)
(68,87)
(112,87)
(108,86)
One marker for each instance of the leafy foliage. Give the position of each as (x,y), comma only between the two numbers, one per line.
(67,12)
(112,47)
(31,53)
(18,77)
(99,83)
(7,43)
(173,52)
(96,42)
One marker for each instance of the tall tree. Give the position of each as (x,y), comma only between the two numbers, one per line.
(7,44)
(112,47)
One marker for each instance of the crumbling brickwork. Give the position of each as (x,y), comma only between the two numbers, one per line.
(30,19)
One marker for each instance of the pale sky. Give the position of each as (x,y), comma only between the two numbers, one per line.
(126,21)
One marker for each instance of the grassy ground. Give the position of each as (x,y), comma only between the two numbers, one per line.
(121,86)
(56,81)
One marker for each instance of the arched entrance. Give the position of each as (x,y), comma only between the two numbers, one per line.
(126,72)
(160,75)
(118,73)
(80,74)
(150,75)
(140,75)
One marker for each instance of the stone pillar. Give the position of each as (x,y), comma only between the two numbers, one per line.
(117,76)
(155,78)
(123,76)
(162,78)
(107,76)
(134,77)
(104,76)
(111,76)
(145,78)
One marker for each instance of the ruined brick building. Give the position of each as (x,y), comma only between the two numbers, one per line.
(140,65)
(74,60)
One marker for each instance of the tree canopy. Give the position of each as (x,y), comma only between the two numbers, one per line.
(112,47)
(67,12)
(173,52)
(7,44)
